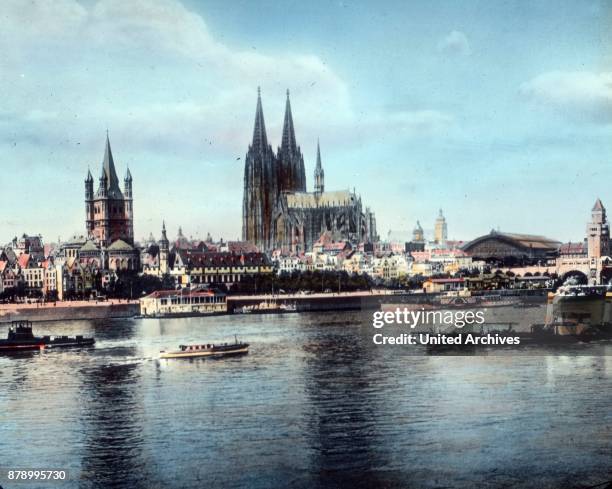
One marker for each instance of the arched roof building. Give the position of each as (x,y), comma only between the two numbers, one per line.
(511,247)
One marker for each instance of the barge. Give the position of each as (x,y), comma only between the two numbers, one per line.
(21,338)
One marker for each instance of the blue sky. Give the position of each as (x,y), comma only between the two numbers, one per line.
(498,112)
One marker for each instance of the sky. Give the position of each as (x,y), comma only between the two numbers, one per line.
(498,112)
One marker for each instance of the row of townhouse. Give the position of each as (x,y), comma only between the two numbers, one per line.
(60,278)
(382,265)
(205,267)
(386,265)
(27,271)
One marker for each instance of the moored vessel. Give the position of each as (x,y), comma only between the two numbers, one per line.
(21,338)
(207,350)
(578,312)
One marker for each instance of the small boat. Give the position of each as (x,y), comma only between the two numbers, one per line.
(207,350)
(243,310)
(289,307)
(21,338)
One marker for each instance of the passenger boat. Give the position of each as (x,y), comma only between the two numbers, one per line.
(207,350)
(21,338)
(266,307)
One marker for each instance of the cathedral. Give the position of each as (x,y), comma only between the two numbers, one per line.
(278,212)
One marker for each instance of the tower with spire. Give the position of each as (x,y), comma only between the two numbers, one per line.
(109,211)
(261,185)
(292,170)
(319,174)
(89,196)
(164,250)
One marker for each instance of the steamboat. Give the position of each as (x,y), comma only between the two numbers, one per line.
(21,338)
(207,350)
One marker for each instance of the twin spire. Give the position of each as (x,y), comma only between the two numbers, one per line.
(260,139)
(289,152)
(288,145)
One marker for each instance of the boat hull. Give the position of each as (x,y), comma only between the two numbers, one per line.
(21,347)
(196,354)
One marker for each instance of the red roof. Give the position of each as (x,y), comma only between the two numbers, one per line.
(222,259)
(573,249)
(23,260)
(338,246)
(241,247)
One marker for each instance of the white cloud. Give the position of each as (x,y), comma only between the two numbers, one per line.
(153,68)
(581,95)
(455,43)
(177,101)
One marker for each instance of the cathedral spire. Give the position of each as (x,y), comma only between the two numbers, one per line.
(319,175)
(288,146)
(260,139)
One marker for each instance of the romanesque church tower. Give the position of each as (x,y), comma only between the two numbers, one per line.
(109,212)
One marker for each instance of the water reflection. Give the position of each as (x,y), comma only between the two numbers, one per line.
(314,404)
(112,420)
(344,408)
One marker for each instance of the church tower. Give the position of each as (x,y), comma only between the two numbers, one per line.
(164,251)
(89,206)
(129,203)
(417,234)
(319,174)
(110,212)
(293,172)
(598,232)
(261,185)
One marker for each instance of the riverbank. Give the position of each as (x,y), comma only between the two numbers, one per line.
(68,310)
(331,301)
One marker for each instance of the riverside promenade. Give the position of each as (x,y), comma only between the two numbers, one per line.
(67,310)
(328,301)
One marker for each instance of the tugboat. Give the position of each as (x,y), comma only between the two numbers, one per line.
(207,350)
(21,338)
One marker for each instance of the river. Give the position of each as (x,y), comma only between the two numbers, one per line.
(314,404)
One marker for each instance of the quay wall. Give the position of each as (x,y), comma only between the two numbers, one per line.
(356,301)
(68,311)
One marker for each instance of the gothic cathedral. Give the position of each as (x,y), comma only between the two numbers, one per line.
(278,212)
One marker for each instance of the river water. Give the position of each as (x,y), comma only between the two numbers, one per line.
(314,404)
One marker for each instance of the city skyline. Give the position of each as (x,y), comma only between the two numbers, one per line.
(463,112)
